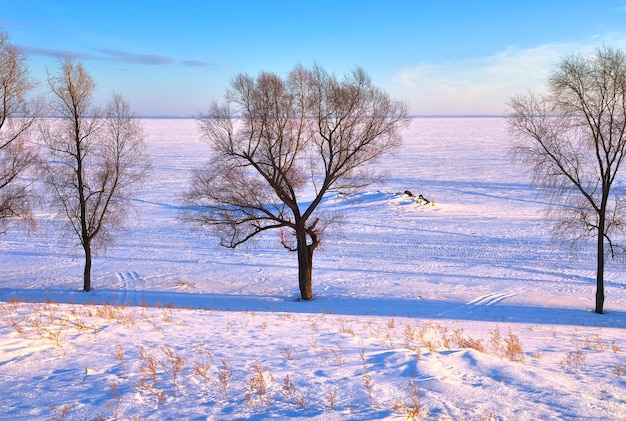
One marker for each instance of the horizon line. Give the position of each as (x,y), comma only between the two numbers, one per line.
(181,117)
(410,116)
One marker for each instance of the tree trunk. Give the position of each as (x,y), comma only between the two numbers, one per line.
(600,269)
(305,266)
(87,273)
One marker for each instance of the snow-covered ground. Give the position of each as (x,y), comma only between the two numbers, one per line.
(463,310)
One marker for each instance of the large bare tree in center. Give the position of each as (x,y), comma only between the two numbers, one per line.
(574,139)
(280,145)
(95,157)
(17,115)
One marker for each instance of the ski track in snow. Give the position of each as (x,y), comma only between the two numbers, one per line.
(131,286)
(490,299)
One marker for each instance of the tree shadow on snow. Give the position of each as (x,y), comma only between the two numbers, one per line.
(348,306)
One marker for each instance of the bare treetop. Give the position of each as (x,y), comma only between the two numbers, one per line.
(574,140)
(17,115)
(277,141)
(94,158)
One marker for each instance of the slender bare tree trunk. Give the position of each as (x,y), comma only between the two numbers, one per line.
(600,275)
(600,268)
(87,273)
(82,203)
(305,265)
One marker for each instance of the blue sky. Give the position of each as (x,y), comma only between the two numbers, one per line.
(442,57)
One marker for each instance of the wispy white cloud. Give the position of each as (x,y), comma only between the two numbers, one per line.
(483,85)
(56,53)
(115,56)
(132,58)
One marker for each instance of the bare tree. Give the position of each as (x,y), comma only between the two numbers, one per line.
(280,145)
(574,140)
(95,157)
(17,115)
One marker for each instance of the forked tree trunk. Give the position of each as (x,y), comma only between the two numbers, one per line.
(305,266)
(87,273)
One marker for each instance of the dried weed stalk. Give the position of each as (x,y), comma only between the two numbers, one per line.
(414,409)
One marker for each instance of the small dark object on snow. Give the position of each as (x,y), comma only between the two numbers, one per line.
(420,197)
(408,193)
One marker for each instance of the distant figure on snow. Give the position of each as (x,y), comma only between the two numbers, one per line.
(419,199)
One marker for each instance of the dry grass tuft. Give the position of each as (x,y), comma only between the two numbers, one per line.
(509,347)
(61,413)
(414,409)
(574,359)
